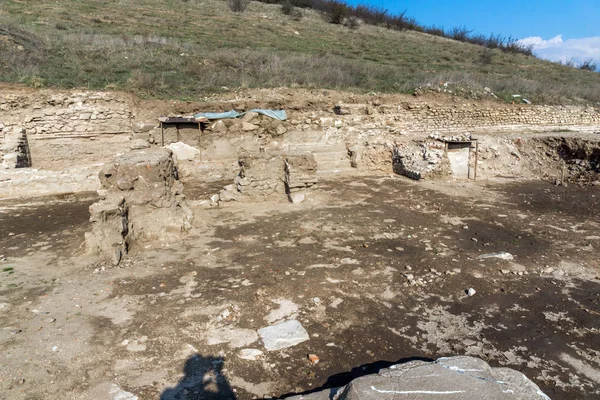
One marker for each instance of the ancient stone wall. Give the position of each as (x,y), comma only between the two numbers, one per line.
(70,128)
(421,117)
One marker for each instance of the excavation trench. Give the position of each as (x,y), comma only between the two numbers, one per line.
(335,233)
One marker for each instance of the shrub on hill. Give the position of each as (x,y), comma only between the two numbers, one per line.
(238,5)
(588,65)
(288,8)
(338,11)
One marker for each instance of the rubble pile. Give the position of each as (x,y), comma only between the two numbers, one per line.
(462,137)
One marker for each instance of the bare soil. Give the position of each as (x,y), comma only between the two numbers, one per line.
(170,321)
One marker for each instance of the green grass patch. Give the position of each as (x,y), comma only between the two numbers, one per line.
(175,49)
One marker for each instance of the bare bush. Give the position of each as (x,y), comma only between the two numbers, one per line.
(336,12)
(588,65)
(288,8)
(512,45)
(459,33)
(434,30)
(238,5)
(371,15)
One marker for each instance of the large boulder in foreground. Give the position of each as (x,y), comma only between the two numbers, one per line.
(452,378)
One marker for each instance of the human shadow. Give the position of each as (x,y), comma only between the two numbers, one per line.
(335,382)
(203,380)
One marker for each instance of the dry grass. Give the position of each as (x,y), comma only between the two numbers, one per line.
(185,49)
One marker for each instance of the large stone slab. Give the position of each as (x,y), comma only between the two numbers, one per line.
(285,334)
(183,151)
(453,378)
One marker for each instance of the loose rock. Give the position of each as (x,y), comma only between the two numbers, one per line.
(283,335)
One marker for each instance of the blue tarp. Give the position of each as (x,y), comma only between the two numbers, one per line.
(275,114)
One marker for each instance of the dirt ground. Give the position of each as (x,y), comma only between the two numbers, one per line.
(375,268)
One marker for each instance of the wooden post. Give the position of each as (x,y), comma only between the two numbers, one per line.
(476,155)
(162,133)
(469,161)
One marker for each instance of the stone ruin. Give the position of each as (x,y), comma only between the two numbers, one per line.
(14,150)
(417,160)
(141,200)
(429,158)
(266,175)
(300,175)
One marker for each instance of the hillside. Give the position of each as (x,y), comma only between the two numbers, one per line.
(189,49)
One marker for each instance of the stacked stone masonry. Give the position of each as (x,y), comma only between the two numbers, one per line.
(70,128)
(429,118)
(83,114)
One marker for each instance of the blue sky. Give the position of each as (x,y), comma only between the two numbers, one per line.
(558,29)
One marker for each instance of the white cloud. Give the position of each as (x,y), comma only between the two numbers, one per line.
(539,43)
(557,49)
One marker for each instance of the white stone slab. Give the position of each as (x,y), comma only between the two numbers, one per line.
(283,335)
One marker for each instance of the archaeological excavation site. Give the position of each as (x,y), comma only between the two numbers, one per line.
(296,243)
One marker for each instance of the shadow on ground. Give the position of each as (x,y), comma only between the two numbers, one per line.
(203,379)
(336,381)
